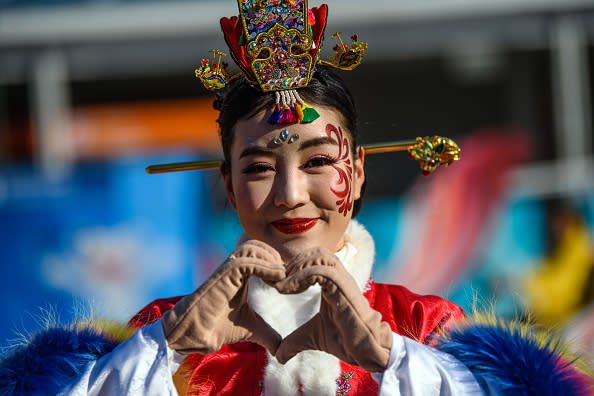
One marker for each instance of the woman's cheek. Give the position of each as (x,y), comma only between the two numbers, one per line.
(344,169)
(325,187)
(332,188)
(254,193)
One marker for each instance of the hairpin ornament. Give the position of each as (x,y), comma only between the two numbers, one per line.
(345,57)
(429,151)
(276,46)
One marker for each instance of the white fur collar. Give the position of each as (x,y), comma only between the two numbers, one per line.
(316,371)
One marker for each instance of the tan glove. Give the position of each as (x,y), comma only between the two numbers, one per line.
(218,313)
(346,326)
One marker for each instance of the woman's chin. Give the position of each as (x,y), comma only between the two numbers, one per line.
(289,249)
(289,246)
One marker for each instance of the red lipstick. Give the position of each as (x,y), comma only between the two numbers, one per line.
(294,226)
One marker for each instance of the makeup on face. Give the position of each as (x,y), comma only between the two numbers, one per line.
(282,138)
(344,169)
(294,195)
(294,226)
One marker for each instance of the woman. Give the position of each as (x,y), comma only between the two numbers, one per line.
(292,311)
(256,326)
(295,201)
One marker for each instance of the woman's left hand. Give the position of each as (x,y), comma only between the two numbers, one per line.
(346,326)
(218,312)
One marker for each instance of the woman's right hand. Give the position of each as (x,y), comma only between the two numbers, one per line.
(218,313)
(346,326)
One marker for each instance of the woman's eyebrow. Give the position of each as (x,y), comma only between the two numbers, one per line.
(316,142)
(255,150)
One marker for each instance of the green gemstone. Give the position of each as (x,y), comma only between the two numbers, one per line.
(309,115)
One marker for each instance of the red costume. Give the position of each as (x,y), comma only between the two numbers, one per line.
(239,368)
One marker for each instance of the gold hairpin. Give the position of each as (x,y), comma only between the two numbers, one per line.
(429,151)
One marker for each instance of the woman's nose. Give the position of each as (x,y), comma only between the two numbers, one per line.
(290,189)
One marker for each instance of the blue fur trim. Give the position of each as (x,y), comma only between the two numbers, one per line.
(506,360)
(51,361)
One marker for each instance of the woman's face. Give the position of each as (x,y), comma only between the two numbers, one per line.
(298,194)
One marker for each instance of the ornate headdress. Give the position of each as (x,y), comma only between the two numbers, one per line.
(276,45)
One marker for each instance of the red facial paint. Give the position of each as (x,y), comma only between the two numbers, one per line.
(344,168)
(294,226)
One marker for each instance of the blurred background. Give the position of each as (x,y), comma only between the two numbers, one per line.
(93,91)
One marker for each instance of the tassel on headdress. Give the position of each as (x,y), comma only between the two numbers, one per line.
(290,108)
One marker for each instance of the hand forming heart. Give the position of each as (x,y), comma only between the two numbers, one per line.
(218,312)
(346,326)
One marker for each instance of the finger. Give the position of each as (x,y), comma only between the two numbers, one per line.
(311,257)
(302,280)
(262,333)
(302,260)
(302,339)
(269,272)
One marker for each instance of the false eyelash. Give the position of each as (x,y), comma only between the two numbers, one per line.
(257,168)
(329,159)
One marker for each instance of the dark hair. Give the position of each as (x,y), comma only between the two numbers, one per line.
(240,100)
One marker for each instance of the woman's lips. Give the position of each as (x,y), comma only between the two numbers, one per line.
(294,226)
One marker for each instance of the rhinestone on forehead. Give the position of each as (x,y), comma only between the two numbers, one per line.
(279,140)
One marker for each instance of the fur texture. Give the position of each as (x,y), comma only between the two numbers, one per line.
(513,359)
(50,361)
(56,356)
(316,371)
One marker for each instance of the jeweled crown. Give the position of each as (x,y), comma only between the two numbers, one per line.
(276,45)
